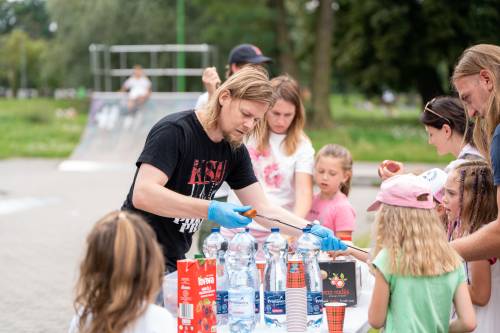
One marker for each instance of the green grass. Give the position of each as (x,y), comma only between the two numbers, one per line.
(31,128)
(371,135)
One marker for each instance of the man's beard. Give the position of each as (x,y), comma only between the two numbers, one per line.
(233,142)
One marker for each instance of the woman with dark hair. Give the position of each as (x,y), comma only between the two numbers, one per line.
(448,129)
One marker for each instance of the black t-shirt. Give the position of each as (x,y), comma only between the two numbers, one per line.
(196,166)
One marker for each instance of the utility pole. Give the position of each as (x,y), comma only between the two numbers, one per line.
(181,59)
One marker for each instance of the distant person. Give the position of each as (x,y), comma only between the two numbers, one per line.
(138,87)
(470,203)
(240,56)
(389,101)
(418,275)
(188,155)
(333,174)
(448,129)
(477,80)
(120,276)
(282,156)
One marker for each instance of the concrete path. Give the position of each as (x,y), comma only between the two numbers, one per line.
(45,215)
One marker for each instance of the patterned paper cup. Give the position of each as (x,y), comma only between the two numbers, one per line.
(295,277)
(335,313)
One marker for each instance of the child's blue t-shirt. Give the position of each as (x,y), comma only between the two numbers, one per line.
(495,155)
(418,304)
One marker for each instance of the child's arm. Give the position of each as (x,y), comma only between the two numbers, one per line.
(303,194)
(360,255)
(480,282)
(466,317)
(380,300)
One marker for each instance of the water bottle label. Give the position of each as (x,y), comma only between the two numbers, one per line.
(221,301)
(257,302)
(314,303)
(274,303)
(241,304)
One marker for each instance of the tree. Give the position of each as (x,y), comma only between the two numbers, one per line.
(81,23)
(21,55)
(284,41)
(408,45)
(321,115)
(28,15)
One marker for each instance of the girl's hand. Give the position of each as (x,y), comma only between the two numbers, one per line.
(335,254)
(389,168)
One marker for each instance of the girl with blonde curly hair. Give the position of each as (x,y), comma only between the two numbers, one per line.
(418,276)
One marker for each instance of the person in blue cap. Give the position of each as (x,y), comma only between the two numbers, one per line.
(240,56)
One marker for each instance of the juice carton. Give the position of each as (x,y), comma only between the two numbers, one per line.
(341,281)
(196,296)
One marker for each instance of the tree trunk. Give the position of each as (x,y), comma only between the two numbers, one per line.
(287,60)
(321,116)
(428,83)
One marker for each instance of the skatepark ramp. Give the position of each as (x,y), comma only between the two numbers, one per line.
(114,136)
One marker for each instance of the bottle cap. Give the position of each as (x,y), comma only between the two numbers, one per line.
(215,230)
(247,229)
(199,256)
(275,229)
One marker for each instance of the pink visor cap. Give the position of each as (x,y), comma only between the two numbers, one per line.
(405,190)
(436,179)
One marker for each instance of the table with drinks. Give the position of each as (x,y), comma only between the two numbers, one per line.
(300,292)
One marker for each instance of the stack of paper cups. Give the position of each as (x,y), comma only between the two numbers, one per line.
(296,297)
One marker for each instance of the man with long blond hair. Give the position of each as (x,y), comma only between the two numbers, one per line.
(477,80)
(189,154)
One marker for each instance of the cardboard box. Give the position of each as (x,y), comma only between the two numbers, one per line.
(341,281)
(196,296)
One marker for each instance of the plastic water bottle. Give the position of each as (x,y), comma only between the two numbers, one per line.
(255,274)
(241,293)
(215,246)
(308,246)
(276,250)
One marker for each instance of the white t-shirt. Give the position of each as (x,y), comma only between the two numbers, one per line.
(202,100)
(276,171)
(155,320)
(464,156)
(137,87)
(487,317)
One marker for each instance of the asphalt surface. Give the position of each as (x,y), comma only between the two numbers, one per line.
(45,215)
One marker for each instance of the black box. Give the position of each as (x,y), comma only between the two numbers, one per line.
(341,281)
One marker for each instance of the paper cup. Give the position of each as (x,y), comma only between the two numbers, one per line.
(261,266)
(335,313)
(295,277)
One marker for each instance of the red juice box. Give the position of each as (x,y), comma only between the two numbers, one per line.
(196,296)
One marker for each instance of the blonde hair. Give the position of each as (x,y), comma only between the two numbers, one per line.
(122,270)
(415,241)
(342,153)
(471,62)
(287,89)
(478,204)
(250,83)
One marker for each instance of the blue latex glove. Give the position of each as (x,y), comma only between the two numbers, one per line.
(328,241)
(228,214)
